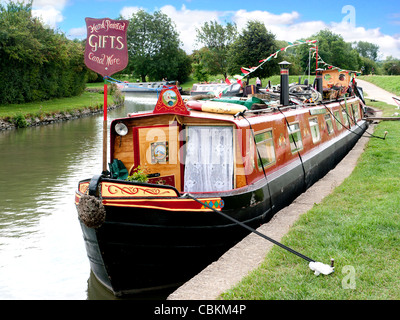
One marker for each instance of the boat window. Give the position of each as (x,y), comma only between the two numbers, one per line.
(266,149)
(345,118)
(209,162)
(296,143)
(329,124)
(355,111)
(349,114)
(338,120)
(314,128)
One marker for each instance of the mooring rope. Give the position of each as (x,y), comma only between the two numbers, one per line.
(187,195)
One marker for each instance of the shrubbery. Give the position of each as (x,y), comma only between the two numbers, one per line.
(36,63)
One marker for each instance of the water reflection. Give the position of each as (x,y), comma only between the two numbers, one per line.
(42,254)
(96,291)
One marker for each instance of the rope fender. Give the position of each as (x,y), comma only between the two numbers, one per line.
(91,211)
(90,208)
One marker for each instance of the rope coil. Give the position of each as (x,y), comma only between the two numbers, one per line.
(91,211)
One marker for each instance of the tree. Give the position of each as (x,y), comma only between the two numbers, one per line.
(153,46)
(367,49)
(368,65)
(42,63)
(333,50)
(254,44)
(391,66)
(183,69)
(290,56)
(217,39)
(200,72)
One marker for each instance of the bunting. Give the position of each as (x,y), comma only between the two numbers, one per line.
(314,46)
(247,71)
(331,67)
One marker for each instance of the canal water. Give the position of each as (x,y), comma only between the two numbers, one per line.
(42,253)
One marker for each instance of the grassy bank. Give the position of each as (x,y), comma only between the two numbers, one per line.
(18,113)
(389,83)
(358,225)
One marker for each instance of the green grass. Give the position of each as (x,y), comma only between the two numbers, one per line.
(358,225)
(389,83)
(187,86)
(61,105)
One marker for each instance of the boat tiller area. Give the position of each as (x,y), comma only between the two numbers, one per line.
(317,267)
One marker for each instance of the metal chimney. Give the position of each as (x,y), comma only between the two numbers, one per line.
(318,78)
(284,97)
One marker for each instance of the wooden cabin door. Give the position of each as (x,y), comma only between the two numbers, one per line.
(209,160)
(158,150)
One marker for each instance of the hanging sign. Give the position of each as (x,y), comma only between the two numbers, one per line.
(106,50)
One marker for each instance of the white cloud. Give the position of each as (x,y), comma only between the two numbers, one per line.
(59,4)
(286,26)
(187,21)
(77,33)
(49,11)
(126,12)
(388,45)
(242,16)
(49,15)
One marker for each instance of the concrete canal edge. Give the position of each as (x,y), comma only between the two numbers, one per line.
(248,254)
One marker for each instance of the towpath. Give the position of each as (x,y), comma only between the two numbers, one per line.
(248,254)
(376,93)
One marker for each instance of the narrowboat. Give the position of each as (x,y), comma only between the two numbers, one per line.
(152,221)
(223,89)
(152,88)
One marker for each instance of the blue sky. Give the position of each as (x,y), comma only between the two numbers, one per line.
(373,21)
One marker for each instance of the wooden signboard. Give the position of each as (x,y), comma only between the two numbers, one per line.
(106,50)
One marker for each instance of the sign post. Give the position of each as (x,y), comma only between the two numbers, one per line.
(106,52)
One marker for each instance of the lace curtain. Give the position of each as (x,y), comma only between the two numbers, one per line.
(209,159)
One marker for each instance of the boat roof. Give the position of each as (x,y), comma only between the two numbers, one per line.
(180,108)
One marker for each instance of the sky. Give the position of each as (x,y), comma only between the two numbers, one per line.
(377,22)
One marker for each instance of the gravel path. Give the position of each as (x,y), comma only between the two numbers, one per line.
(377,93)
(247,255)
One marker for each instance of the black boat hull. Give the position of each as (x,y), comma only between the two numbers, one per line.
(138,249)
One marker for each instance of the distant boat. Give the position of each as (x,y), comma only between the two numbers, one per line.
(144,87)
(234,89)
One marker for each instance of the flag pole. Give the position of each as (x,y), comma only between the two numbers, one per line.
(105,128)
